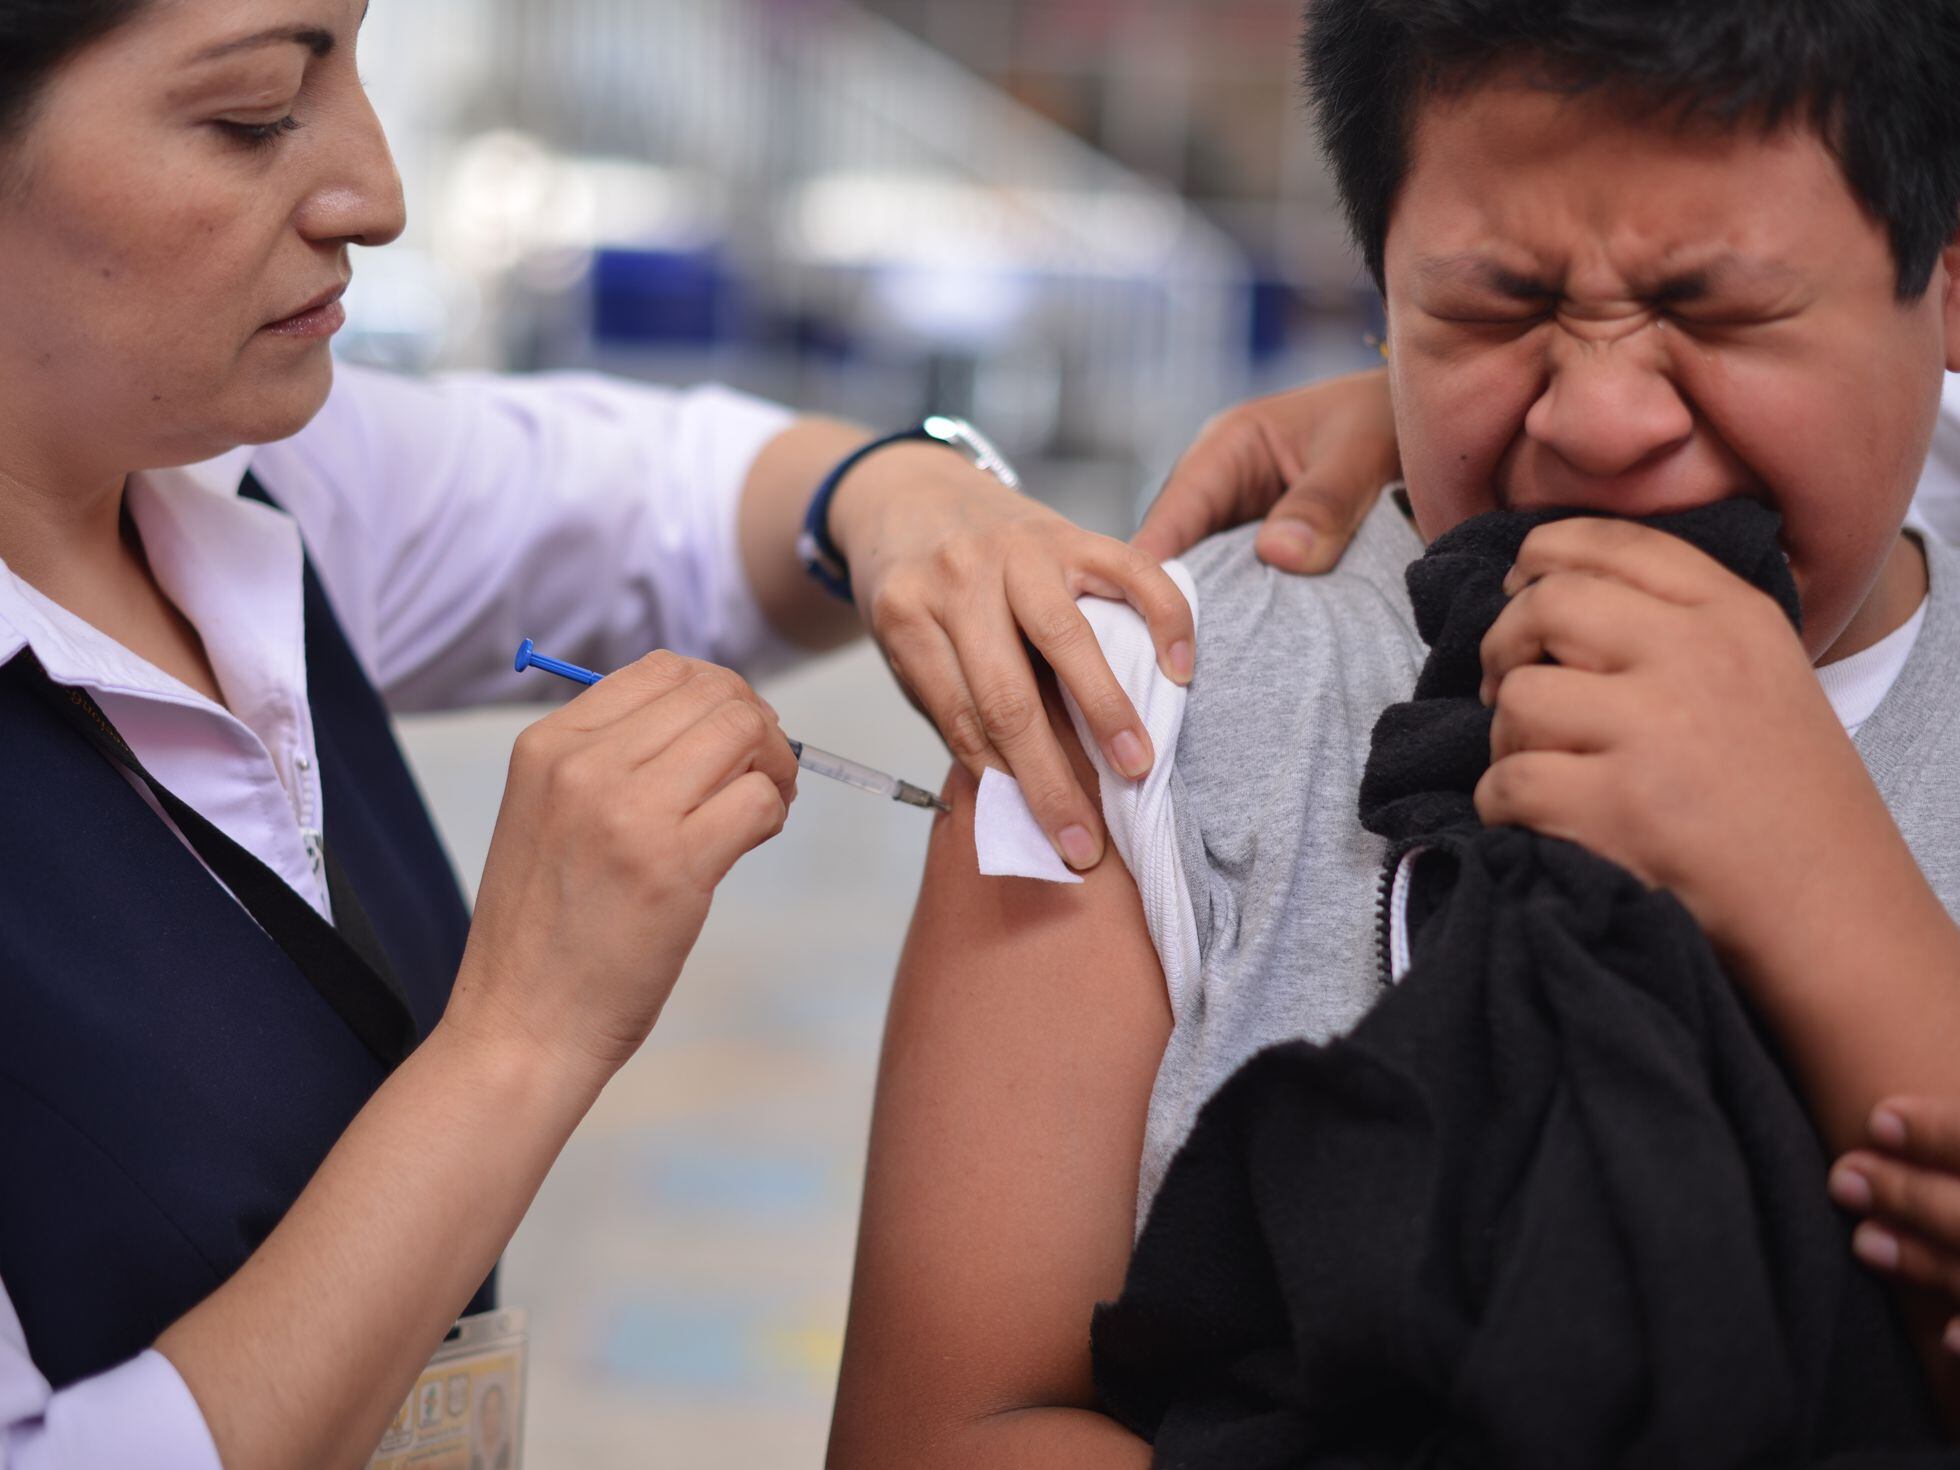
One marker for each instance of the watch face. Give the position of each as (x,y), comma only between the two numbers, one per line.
(976,446)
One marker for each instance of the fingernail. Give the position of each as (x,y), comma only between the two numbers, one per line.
(1288,543)
(1877,1248)
(1079,847)
(1888,1129)
(1952,1337)
(1851,1189)
(1184,661)
(1130,756)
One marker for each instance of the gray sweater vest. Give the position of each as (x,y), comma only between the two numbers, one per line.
(1285,884)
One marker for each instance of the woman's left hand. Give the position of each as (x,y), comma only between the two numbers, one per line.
(952,571)
(1907,1188)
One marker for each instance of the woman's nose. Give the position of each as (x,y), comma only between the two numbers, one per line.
(358,199)
(1609,408)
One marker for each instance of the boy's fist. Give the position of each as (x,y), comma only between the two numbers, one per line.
(1658,710)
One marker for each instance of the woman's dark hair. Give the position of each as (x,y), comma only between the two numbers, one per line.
(1879,79)
(36,36)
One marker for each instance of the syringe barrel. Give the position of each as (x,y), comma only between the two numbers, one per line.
(823,763)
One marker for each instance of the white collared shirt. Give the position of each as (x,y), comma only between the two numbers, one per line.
(447,521)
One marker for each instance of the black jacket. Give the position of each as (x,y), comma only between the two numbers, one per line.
(1553,1204)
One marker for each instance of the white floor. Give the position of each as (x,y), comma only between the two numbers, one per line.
(688,1264)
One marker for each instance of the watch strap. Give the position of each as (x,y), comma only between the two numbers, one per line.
(821,557)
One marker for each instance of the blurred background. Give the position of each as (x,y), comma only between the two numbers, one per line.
(1085,224)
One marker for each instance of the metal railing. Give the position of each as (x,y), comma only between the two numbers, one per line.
(803,110)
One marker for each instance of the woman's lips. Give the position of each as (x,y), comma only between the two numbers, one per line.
(321,320)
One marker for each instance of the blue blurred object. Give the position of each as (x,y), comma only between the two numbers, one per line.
(662,298)
(1275,303)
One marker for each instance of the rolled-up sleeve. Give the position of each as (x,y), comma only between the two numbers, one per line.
(452,518)
(140,1414)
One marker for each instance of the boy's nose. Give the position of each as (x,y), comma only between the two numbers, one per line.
(1607,413)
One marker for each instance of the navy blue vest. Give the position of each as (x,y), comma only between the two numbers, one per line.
(169,1081)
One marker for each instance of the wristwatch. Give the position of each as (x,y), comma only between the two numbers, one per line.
(821,558)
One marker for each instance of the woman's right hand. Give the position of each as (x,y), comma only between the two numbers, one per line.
(623,812)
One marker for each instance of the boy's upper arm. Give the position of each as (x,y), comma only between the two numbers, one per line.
(1025,1031)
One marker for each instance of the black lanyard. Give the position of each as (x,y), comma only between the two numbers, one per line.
(345,964)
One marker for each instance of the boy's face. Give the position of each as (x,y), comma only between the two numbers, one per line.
(1592,309)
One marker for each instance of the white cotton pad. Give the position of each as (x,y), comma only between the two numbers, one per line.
(1011,843)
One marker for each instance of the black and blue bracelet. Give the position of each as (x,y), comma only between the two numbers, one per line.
(821,558)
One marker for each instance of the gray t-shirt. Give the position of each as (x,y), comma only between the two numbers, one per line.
(1284,883)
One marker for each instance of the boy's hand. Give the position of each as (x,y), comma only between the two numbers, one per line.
(1678,730)
(1907,1185)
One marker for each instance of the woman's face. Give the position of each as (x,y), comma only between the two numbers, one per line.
(173,212)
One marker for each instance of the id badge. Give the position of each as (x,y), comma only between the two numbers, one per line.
(467,1410)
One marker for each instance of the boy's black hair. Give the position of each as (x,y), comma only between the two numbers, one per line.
(1879,79)
(36,36)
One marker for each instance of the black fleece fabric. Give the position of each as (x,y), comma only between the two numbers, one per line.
(1553,1204)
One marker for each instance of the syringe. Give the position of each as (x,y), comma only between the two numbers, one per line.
(864,778)
(820,762)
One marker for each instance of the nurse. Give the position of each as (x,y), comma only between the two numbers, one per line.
(271,1103)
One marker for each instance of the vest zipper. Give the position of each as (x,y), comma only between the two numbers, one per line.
(1385,910)
(1385,906)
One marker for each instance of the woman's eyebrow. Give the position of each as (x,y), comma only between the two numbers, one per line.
(313,38)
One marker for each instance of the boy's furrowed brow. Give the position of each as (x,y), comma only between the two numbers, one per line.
(1717,274)
(1468,268)
(1723,274)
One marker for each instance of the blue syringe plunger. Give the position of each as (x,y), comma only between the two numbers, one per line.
(529,658)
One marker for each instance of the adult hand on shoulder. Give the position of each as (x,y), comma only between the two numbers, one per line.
(1312,461)
(623,812)
(957,576)
(952,573)
(1907,1186)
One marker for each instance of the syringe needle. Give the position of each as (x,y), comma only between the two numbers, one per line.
(837,768)
(917,796)
(822,762)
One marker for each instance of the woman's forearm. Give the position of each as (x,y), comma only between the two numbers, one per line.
(304,1356)
(775,501)
(888,493)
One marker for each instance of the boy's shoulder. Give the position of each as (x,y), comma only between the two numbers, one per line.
(1270,638)
(1292,674)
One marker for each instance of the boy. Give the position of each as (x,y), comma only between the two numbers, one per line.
(1635,259)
